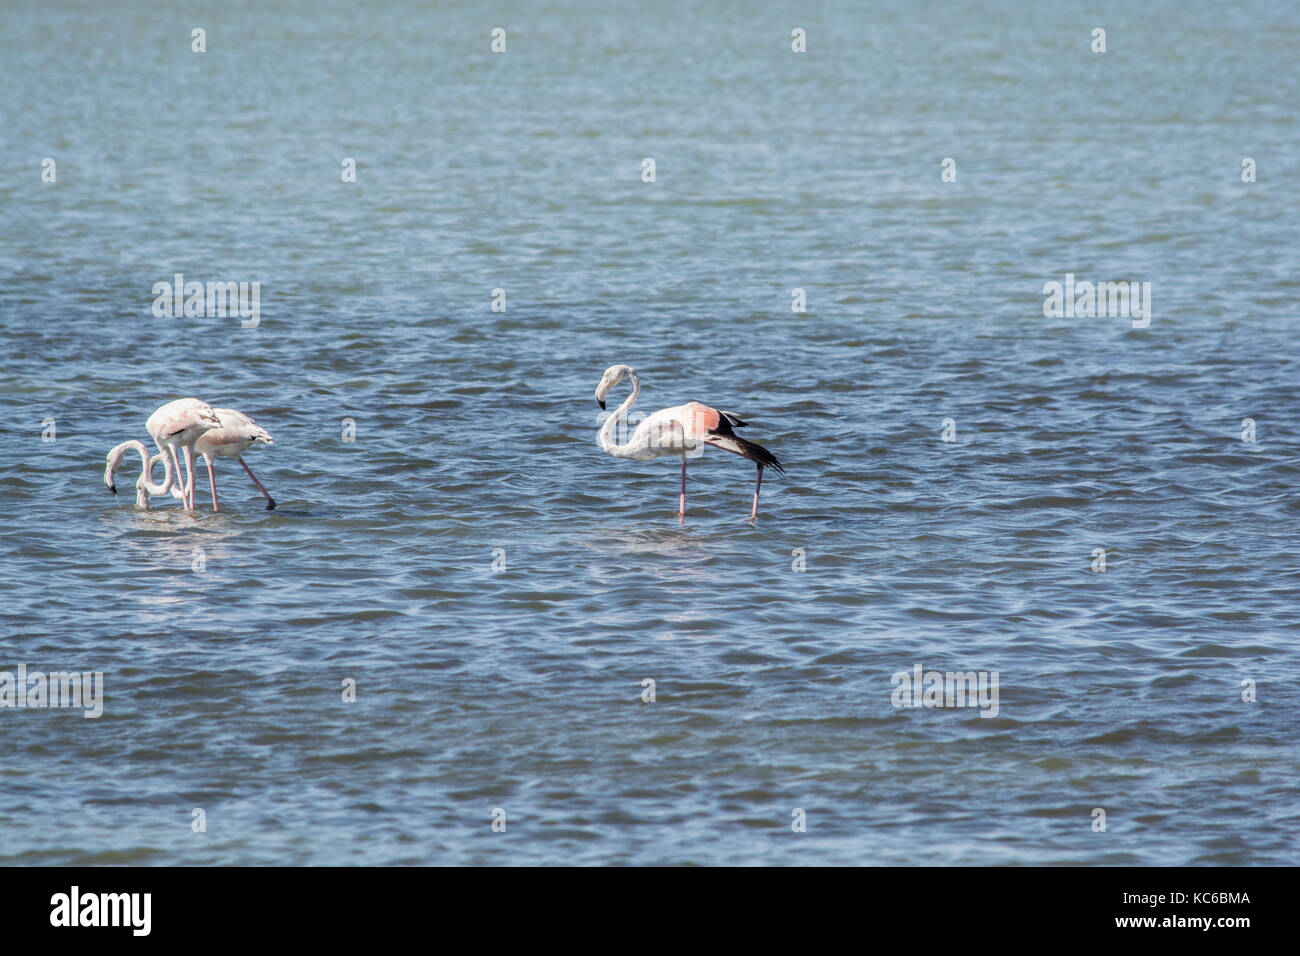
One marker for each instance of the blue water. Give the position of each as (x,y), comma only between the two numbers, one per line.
(475,433)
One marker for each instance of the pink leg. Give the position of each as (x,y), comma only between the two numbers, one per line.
(754,514)
(270,502)
(176,462)
(212,483)
(681,506)
(189,476)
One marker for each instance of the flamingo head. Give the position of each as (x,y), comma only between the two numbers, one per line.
(613,375)
(207,416)
(110,467)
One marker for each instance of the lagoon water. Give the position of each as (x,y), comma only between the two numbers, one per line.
(519,686)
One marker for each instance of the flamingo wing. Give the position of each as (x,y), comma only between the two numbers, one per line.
(179,416)
(236,434)
(715,428)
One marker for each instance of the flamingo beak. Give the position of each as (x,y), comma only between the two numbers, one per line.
(112,489)
(601,403)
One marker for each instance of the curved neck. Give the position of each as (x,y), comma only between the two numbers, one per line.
(607,441)
(170,480)
(145,481)
(175,486)
(117,453)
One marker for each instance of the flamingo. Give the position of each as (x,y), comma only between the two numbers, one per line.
(236,435)
(180,424)
(144,485)
(677,430)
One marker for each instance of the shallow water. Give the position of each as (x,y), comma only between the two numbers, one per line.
(475,431)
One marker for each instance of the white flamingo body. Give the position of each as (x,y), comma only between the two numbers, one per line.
(664,432)
(177,425)
(236,434)
(677,430)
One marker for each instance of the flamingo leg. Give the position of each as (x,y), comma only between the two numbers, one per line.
(681,506)
(270,502)
(176,461)
(189,475)
(212,483)
(754,513)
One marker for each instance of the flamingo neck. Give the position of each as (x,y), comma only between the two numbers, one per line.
(146,479)
(171,481)
(118,453)
(607,441)
(144,484)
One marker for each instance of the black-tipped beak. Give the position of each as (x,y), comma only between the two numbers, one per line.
(112,489)
(601,403)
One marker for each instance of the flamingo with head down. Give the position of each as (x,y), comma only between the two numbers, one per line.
(196,427)
(180,424)
(676,431)
(235,436)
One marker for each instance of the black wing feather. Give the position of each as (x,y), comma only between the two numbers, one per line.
(724,437)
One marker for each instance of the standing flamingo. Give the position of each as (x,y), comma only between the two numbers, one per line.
(677,430)
(144,485)
(180,424)
(236,435)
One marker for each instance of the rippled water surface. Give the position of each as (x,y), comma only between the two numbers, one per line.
(519,687)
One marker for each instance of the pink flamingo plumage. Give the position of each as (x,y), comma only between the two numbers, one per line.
(676,431)
(235,436)
(180,424)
